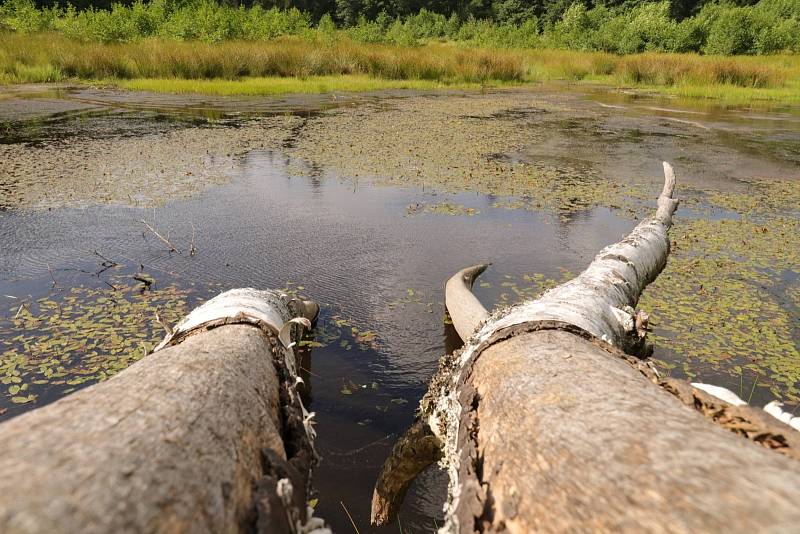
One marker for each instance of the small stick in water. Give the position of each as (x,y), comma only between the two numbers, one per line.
(349,517)
(172,247)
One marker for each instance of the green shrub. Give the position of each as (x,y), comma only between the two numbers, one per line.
(689,36)
(23,16)
(366,31)
(731,33)
(631,26)
(782,37)
(399,33)
(513,12)
(573,30)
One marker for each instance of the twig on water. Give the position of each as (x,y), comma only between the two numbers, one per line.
(755,382)
(145,279)
(109,284)
(350,517)
(172,247)
(106,262)
(359,449)
(53,278)
(309,372)
(192,248)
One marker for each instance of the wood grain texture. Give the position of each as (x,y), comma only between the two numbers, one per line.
(175,443)
(586,443)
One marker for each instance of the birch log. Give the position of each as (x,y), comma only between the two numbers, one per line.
(205,435)
(545,422)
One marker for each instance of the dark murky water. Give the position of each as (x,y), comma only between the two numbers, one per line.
(356,249)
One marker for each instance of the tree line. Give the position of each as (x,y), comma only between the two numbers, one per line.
(347,12)
(619,26)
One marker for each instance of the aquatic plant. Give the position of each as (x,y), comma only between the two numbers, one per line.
(721,303)
(85,334)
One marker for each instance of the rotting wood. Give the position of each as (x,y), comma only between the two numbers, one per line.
(207,434)
(549,424)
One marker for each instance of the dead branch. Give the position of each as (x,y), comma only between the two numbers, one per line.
(172,248)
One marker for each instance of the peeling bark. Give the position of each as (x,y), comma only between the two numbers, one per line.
(206,435)
(548,423)
(585,443)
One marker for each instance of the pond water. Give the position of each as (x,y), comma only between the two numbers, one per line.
(357,251)
(374,257)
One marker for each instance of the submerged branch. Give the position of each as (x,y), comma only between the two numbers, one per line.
(172,248)
(414,451)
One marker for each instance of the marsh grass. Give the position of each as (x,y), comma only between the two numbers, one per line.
(276,85)
(237,59)
(732,79)
(292,64)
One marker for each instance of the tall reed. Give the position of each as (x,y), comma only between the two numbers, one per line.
(236,59)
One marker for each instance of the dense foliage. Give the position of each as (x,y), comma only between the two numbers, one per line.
(618,26)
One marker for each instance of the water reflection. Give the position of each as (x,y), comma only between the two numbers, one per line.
(377,272)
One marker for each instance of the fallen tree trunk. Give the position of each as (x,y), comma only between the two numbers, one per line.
(205,435)
(547,423)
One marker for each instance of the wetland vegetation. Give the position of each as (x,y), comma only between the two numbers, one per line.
(210,48)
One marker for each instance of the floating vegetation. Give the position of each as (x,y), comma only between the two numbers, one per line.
(719,306)
(529,286)
(81,335)
(441,208)
(722,302)
(727,303)
(762,196)
(337,329)
(461,146)
(334,328)
(413,298)
(112,170)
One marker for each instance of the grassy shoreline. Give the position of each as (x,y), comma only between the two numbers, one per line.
(292,65)
(268,86)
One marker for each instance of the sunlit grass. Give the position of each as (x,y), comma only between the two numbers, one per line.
(277,86)
(730,80)
(297,65)
(734,95)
